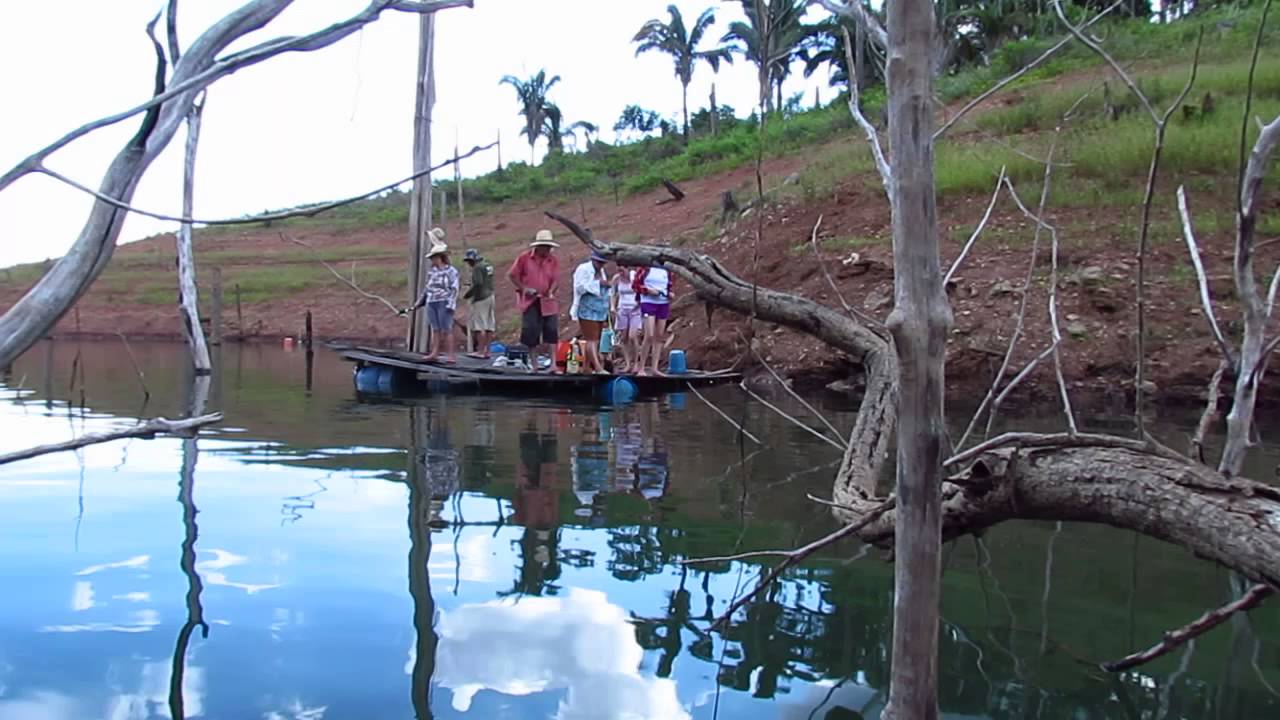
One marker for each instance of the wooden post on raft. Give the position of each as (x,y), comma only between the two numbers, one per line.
(239,317)
(420,213)
(215,318)
(306,342)
(499,151)
(462,231)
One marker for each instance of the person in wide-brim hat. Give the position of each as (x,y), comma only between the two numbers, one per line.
(544,238)
(536,277)
(440,296)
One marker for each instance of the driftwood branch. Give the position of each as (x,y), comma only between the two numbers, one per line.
(149,429)
(676,193)
(189,298)
(1210,411)
(349,282)
(1176,638)
(311,211)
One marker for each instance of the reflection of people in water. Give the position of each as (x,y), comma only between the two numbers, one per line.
(590,463)
(641,463)
(537,509)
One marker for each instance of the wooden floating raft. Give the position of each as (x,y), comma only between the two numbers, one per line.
(409,371)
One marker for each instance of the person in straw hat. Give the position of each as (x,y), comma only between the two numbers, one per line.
(536,276)
(440,295)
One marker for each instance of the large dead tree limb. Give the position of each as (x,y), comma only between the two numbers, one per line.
(149,429)
(859,474)
(54,294)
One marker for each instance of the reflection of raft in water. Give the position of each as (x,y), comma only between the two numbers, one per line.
(396,372)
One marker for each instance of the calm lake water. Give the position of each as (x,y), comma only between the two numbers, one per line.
(320,556)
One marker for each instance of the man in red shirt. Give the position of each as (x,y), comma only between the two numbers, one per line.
(536,275)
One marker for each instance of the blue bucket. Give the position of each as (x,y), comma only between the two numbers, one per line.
(497,348)
(619,391)
(606,341)
(676,363)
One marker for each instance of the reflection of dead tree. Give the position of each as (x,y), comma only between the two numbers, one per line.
(205,61)
(186,496)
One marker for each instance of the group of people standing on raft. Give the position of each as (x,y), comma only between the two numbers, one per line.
(635,301)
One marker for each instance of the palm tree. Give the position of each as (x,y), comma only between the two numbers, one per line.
(532,96)
(672,38)
(770,38)
(588,130)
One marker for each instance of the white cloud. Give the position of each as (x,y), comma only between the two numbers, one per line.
(579,642)
(138,561)
(82,596)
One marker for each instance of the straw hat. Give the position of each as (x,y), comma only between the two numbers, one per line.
(436,234)
(544,237)
(437,248)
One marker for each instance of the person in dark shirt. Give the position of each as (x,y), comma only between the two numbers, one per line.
(480,318)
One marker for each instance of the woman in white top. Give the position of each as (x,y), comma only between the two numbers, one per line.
(627,322)
(653,284)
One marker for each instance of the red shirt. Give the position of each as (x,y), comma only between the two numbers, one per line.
(541,274)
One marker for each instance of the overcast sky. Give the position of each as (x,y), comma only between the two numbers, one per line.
(323,125)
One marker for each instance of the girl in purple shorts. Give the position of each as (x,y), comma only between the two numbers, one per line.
(653,285)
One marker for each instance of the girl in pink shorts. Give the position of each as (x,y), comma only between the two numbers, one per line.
(627,320)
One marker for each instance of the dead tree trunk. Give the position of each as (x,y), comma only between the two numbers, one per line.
(190,304)
(420,213)
(919,323)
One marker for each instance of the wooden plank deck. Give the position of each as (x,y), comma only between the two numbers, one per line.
(481,373)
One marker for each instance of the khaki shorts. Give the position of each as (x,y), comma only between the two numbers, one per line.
(481,315)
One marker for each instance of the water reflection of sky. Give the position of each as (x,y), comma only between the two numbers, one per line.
(546,547)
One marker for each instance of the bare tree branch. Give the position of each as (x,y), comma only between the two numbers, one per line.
(1206,304)
(1248,107)
(873,137)
(854,10)
(1025,69)
(27,320)
(149,429)
(725,415)
(982,224)
(1210,411)
(1093,45)
(794,557)
(785,386)
(351,283)
(311,211)
(248,18)
(1176,638)
(790,418)
(854,313)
